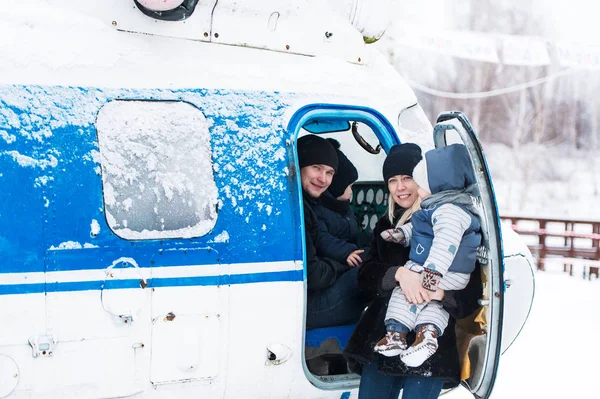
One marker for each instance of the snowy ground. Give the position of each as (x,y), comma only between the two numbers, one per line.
(557,353)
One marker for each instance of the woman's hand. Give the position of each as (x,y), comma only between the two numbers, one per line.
(412,286)
(438,295)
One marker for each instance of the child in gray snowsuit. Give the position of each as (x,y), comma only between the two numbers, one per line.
(444,236)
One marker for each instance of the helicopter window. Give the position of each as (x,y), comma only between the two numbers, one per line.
(157,170)
(412,122)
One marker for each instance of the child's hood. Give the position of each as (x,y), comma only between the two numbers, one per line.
(445,168)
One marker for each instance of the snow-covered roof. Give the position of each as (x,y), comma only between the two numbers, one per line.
(72,43)
(67,41)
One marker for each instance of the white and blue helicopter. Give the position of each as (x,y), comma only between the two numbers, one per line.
(151,224)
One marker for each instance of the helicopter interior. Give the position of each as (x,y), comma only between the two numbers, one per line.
(324,346)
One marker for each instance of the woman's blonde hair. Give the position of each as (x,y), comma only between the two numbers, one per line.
(407,213)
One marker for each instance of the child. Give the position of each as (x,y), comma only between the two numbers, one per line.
(338,237)
(443,236)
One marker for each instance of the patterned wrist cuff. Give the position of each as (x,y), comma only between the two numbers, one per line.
(431,279)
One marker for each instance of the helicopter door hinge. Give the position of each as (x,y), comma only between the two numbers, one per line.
(42,345)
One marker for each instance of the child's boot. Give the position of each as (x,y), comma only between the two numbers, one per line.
(393,344)
(424,346)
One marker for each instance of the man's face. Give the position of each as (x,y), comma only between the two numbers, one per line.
(316,179)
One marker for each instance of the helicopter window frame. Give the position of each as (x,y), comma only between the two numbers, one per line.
(152,188)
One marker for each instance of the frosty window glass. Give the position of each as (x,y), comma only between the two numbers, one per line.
(414,126)
(157,170)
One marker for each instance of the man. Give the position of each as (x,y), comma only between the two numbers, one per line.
(333,296)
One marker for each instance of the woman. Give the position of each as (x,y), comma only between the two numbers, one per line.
(384,377)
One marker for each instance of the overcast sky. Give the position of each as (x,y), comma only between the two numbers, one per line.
(573,20)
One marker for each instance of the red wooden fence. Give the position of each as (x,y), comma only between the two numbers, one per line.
(568,242)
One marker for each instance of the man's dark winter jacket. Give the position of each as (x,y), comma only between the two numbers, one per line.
(322,272)
(444,363)
(338,228)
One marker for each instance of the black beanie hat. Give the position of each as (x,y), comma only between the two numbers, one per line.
(315,150)
(401,160)
(346,173)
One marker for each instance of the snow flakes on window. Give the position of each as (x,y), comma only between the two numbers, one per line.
(250,149)
(92,156)
(94,228)
(163,147)
(151,174)
(8,118)
(27,161)
(280,154)
(9,138)
(22,160)
(38,135)
(221,238)
(42,181)
(66,245)
(35,111)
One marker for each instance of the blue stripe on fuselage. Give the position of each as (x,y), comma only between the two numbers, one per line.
(232,279)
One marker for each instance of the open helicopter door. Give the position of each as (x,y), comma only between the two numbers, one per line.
(483,350)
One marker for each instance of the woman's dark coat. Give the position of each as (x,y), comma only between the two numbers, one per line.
(444,363)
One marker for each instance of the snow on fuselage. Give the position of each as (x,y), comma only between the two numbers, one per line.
(151,225)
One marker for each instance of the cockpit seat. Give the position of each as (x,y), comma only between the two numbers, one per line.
(315,337)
